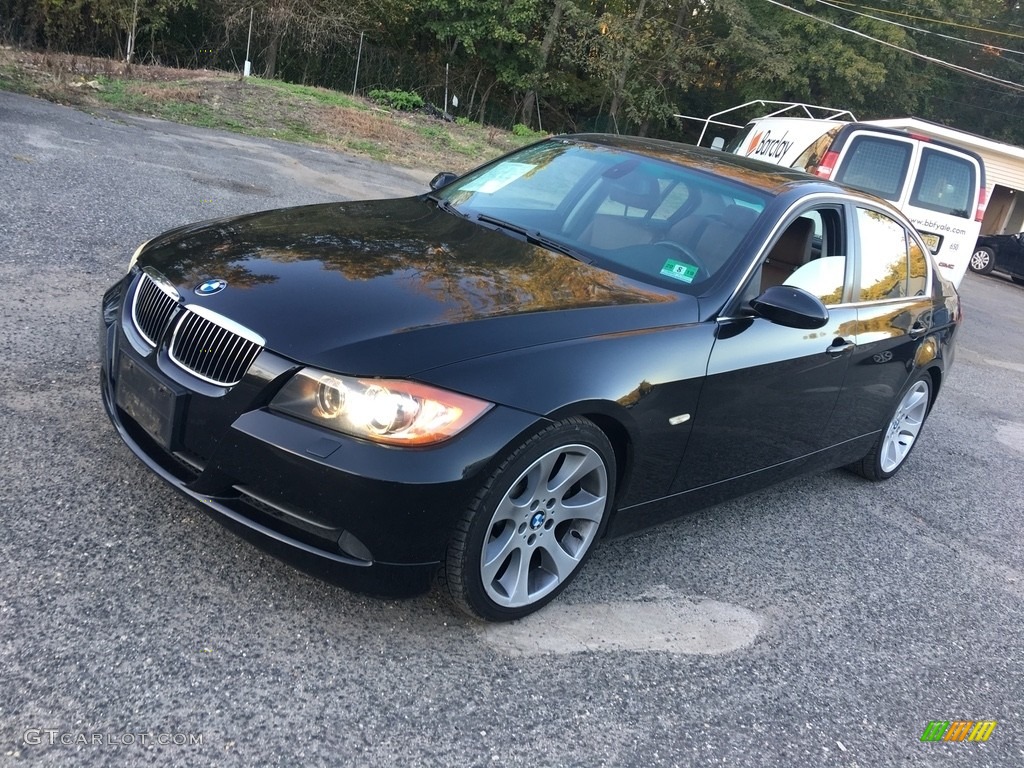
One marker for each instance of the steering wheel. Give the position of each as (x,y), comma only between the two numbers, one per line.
(690,256)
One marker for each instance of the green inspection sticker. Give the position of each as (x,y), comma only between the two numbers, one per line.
(679,270)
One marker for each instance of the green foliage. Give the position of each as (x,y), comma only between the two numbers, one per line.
(321,95)
(298,131)
(401,100)
(621,65)
(437,134)
(12,80)
(524,131)
(367,148)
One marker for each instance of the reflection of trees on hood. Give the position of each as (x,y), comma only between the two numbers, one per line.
(469,268)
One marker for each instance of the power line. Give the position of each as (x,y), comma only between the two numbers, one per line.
(973,107)
(978,89)
(838,6)
(955,67)
(941,21)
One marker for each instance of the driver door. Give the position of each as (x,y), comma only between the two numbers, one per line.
(770,390)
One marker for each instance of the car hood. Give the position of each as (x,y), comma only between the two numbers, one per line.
(392,287)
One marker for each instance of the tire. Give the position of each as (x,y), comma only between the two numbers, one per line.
(524,538)
(1017,280)
(899,434)
(983,260)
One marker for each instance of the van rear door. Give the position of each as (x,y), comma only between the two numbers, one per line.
(937,186)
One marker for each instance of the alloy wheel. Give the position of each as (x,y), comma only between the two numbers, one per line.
(544,525)
(980,260)
(905,426)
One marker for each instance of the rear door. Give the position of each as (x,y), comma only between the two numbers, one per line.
(1012,254)
(893,302)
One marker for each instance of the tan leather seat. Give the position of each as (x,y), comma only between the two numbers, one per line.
(791,252)
(636,192)
(720,237)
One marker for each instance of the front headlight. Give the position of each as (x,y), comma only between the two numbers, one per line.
(390,411)
(135,256)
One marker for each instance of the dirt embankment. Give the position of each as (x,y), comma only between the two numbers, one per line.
(255,107)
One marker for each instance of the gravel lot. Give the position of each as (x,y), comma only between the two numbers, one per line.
(823,622)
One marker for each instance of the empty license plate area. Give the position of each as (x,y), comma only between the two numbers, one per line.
(153,405)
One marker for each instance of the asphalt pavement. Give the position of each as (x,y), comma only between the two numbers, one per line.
(823,622)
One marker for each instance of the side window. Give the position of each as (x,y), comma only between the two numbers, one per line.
(809,254)
(814,154)
(945,183)
(885,263)
(877,165)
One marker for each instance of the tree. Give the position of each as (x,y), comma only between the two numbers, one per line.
(494,37)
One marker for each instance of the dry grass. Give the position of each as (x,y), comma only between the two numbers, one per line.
(374,126)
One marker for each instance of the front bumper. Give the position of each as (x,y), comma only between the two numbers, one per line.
(369,517)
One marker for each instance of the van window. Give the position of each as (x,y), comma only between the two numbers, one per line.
(876,165)
(945,183)
(814,154)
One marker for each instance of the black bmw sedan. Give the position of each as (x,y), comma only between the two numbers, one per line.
(585,337)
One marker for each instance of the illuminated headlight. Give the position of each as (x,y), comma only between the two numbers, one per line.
(135,256)
(390,411)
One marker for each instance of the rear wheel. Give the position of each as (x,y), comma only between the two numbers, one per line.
(899,434)
(533,524)
(983,260)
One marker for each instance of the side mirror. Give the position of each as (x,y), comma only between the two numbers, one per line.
(443,179)
(791,307)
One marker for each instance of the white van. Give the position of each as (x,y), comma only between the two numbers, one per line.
(940,187)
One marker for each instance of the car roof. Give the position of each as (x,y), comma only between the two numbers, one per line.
(765,177)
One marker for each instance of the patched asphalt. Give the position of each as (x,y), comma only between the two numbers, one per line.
(823,622)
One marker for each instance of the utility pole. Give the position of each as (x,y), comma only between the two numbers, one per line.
(131,35)
(248,43)
(359,57)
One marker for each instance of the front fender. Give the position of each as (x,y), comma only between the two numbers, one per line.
(642,386)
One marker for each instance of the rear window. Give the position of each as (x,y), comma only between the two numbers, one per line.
(876,165)
(945,183)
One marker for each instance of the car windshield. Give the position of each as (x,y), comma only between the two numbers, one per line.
(663,222)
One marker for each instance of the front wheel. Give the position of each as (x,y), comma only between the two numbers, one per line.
(899,434)
(983,260)
(533,523)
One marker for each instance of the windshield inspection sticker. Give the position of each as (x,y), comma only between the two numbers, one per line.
(679,270)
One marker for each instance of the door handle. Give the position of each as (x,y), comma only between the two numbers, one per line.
(917,330)
(839,346)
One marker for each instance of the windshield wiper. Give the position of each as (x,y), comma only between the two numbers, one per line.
(446,205)
(535,237)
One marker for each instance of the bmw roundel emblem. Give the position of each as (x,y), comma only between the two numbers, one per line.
(210,287)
